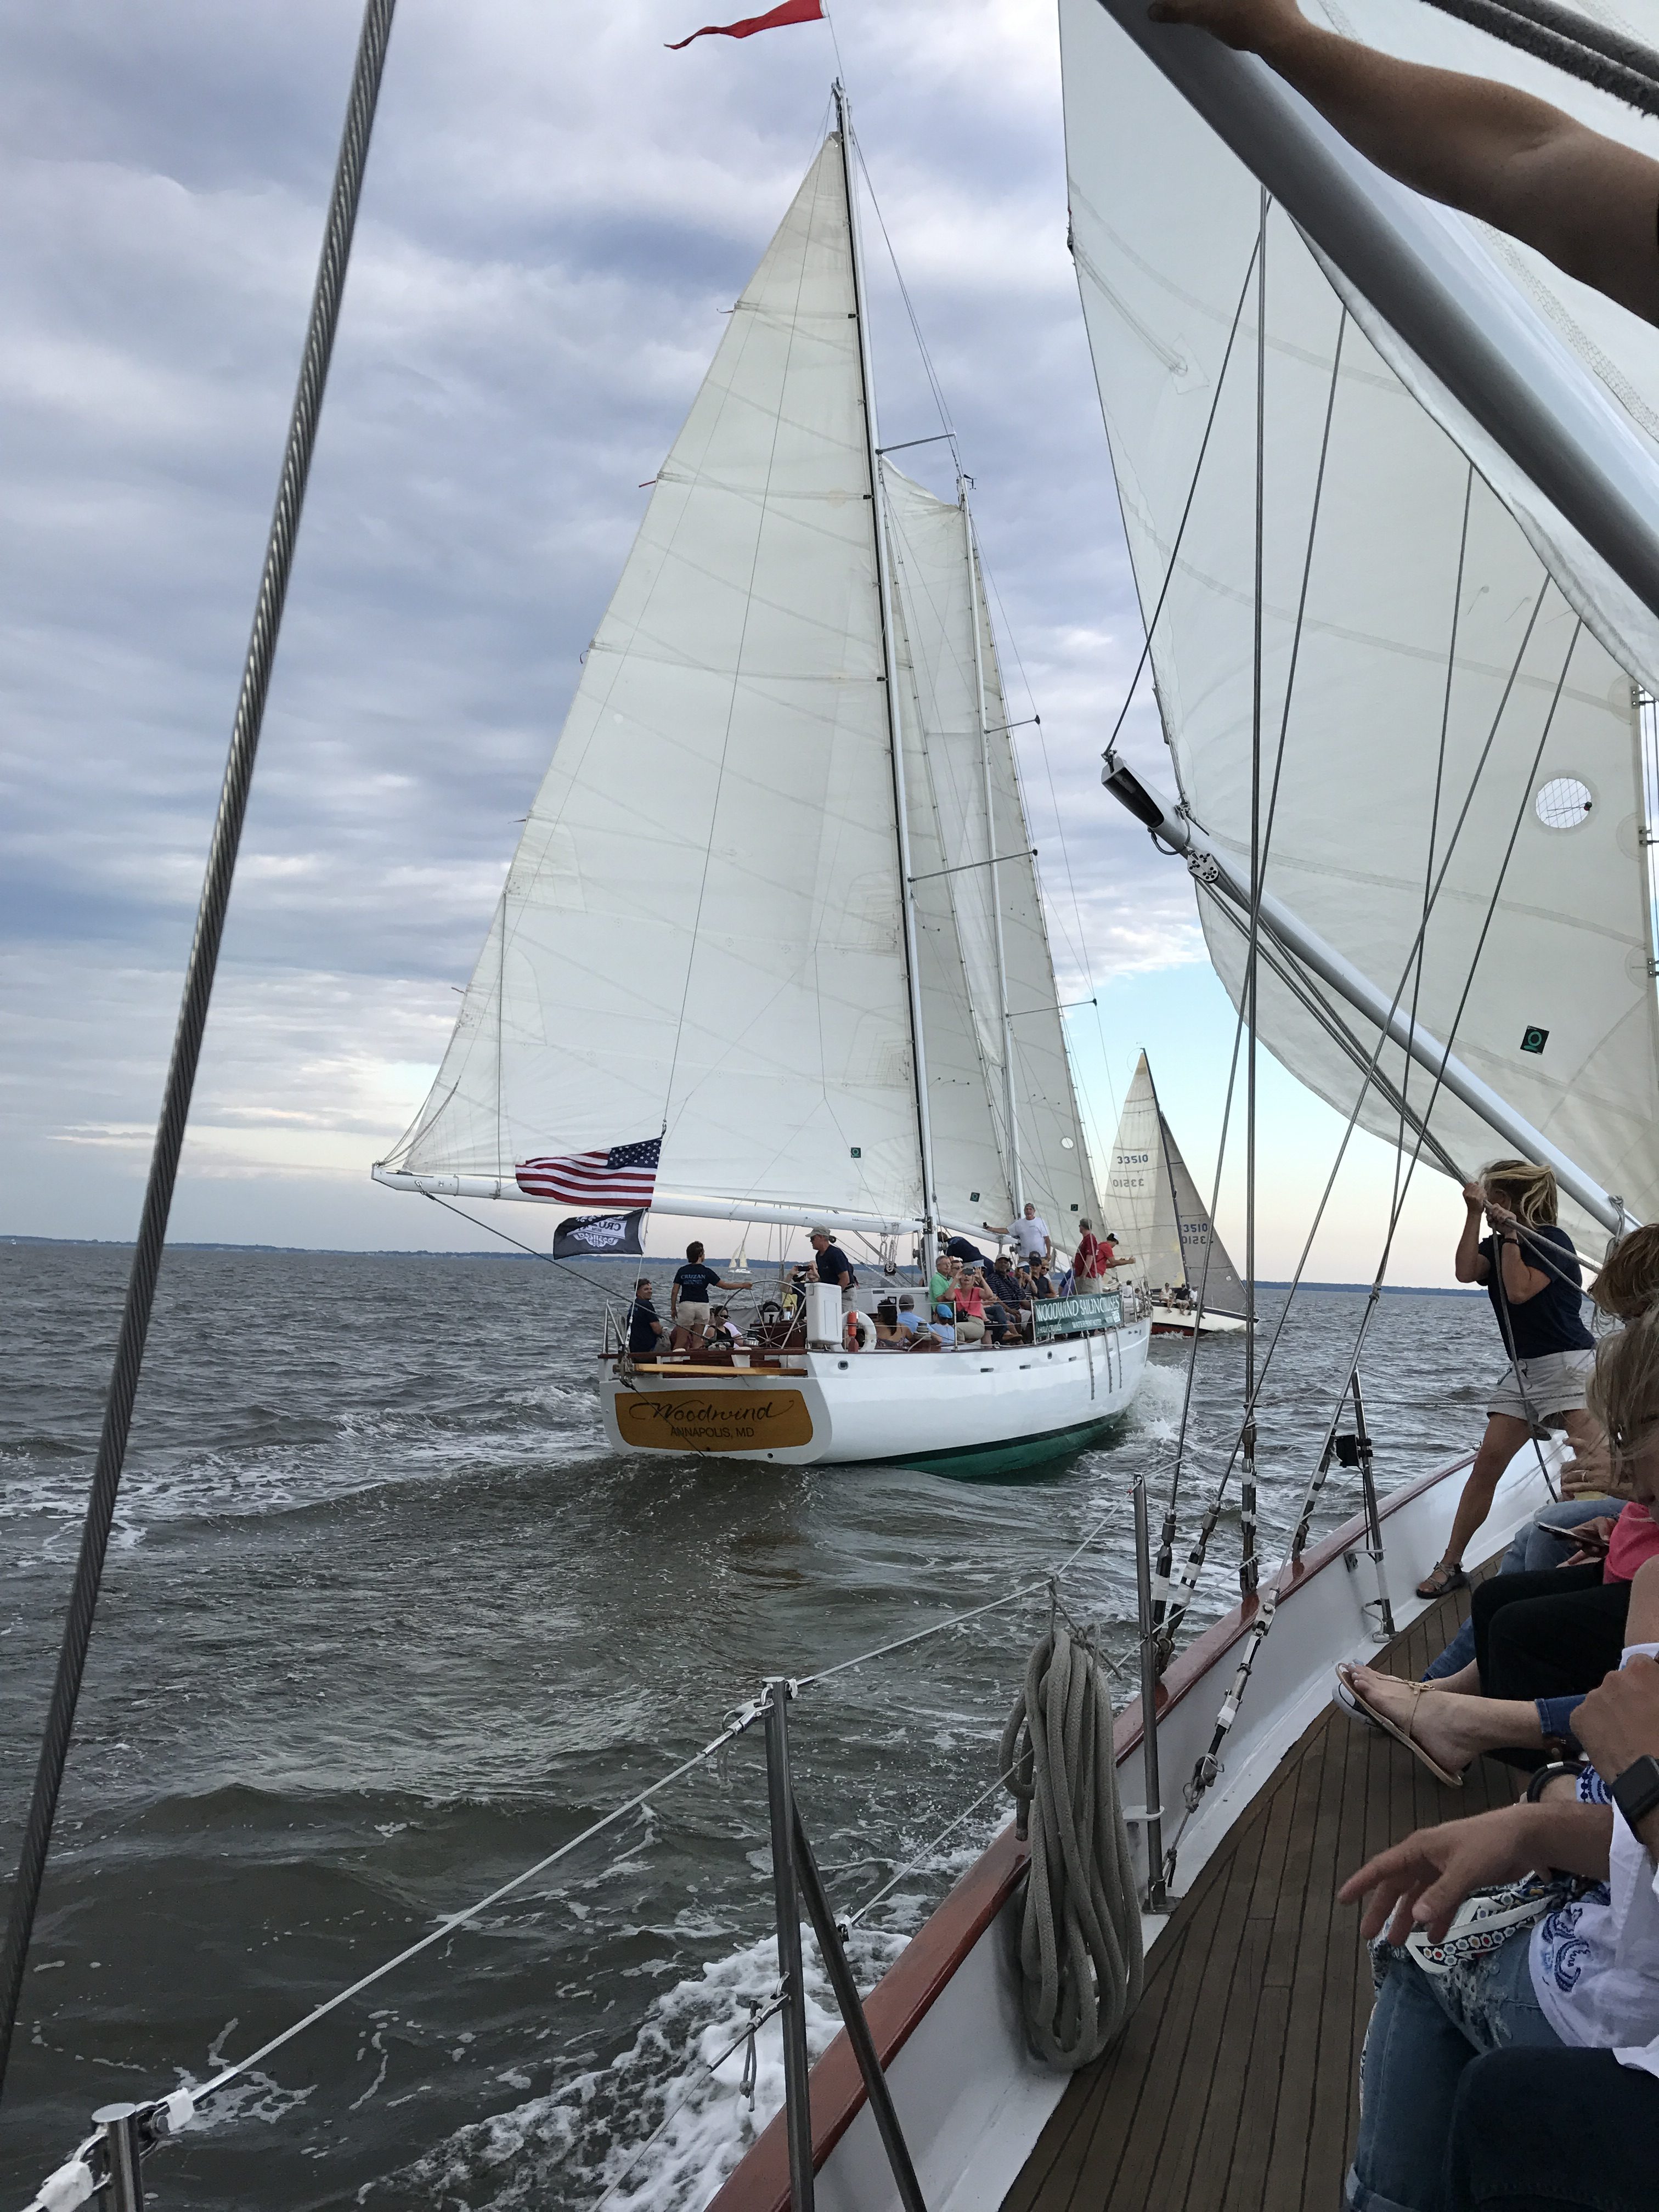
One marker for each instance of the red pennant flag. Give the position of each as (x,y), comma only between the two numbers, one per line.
(791,11)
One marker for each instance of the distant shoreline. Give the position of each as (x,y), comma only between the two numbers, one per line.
(343,1252)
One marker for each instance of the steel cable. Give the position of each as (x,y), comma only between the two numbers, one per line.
(192,1017)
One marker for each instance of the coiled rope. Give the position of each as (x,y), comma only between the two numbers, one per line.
(1080,1955)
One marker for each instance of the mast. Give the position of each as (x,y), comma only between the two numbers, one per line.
(889,664)
(1015,1187)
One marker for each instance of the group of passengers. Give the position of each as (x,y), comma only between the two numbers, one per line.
(971,1299)
(1512,2058)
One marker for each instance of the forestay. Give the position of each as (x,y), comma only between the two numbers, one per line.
(1448,713)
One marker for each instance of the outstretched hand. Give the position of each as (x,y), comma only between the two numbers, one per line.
(1421,1882)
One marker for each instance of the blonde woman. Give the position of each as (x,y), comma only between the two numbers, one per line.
(1531,1270)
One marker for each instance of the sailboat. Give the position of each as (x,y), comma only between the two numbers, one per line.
(772,939)
(1192,1285)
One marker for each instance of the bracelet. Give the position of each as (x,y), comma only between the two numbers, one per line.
(1546,1774)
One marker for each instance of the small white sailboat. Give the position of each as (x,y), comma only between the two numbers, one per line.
(1155,1209)
(772,941)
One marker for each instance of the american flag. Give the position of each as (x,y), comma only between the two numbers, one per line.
(625,1175)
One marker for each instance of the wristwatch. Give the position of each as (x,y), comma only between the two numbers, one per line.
(1636,1791)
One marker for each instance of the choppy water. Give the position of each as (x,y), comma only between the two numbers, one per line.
(385,1621)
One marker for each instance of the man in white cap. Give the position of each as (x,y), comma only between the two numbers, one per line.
(833,1265)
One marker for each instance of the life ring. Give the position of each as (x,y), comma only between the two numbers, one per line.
(860,1333)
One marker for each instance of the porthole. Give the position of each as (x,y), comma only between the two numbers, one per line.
(1563,803)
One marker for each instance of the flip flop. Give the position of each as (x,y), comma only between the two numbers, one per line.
(1352,1707)
(1345,1682)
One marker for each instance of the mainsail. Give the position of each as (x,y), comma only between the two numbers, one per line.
(1452,748)
(703,933)
(1155,1209)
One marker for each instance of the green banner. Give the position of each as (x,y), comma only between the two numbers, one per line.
(1069,1317)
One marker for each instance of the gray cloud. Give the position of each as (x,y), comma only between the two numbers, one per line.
(558,209)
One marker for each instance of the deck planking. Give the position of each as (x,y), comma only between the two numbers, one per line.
(1235,2086)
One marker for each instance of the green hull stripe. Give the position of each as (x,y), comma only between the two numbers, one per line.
(1011,1452)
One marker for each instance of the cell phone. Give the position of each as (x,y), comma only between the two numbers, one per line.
(1582,1539)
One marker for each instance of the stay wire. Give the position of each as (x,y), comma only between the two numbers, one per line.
(198,992)
(489,1229)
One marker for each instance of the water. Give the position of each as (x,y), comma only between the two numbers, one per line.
(385,1621)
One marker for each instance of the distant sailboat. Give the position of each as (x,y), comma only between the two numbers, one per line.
(776,900)
(1156,1211)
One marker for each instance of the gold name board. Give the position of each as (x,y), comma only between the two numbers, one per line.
(713,1420)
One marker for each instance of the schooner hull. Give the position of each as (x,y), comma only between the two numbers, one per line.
(1169,1321)
(967,1413)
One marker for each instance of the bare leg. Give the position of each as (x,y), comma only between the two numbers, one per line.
(1504,1436)
(1453,1730)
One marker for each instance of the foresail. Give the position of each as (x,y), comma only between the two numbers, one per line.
(1210,1272)
(965,810)
(1460,767)
(700,929)
(1139,1200)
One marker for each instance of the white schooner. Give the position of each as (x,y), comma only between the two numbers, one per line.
(774,923)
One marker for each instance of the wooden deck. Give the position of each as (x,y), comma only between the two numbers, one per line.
(1234,2089)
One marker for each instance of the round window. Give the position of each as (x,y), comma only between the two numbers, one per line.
(1067,1145)
(1563,803)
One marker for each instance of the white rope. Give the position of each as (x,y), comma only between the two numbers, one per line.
(1080,1952)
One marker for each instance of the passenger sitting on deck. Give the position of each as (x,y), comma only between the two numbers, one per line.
(1000,1283)
(1480,2046)
(1531,1273)
(908,1319)
(994,1313)
(941,1284)
(967,1301)
(721,1327)
(943,1326)
(889,1337)
(645,1331)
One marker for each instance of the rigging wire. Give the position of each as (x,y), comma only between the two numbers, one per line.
(1596,54)
(198,992)
(1247,1563)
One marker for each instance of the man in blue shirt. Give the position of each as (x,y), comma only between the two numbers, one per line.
(688,1302)
(644,1329)
(834,1265)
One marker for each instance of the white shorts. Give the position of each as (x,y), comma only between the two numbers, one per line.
(691,1316)
(1551,1383)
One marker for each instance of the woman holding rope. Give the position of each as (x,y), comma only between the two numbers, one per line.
(1532,1276)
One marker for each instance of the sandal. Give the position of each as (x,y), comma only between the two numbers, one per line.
(1369,1712)
(1443,1581)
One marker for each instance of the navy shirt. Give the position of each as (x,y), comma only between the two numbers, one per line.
(642,1335)
(960,1249)
(694,1281)
(833,1264)
(1552,1320)
(1002,1287)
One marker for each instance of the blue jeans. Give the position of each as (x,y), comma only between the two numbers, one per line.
(1424,2031)
(1531,1550)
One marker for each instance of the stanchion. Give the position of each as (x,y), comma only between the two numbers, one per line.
(1373,1518)
(1157,1897)
(781,1805)
(126,2176)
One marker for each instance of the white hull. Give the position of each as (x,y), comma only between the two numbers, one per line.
(1171,1321)
(1026,1403)
(970,2097)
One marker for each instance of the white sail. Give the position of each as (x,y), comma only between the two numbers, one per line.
(1155,1208)
(700,930)
(1415,624)
(980,931)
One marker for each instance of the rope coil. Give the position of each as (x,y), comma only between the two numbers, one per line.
(1080,1954)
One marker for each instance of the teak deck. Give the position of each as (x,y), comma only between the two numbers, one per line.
(1235,2088)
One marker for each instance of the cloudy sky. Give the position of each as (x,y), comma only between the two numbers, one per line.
(556,210)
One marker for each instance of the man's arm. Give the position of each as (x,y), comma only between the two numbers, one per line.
(1588,204)
(1622,1725)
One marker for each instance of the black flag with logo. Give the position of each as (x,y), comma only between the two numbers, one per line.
(599,1235)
